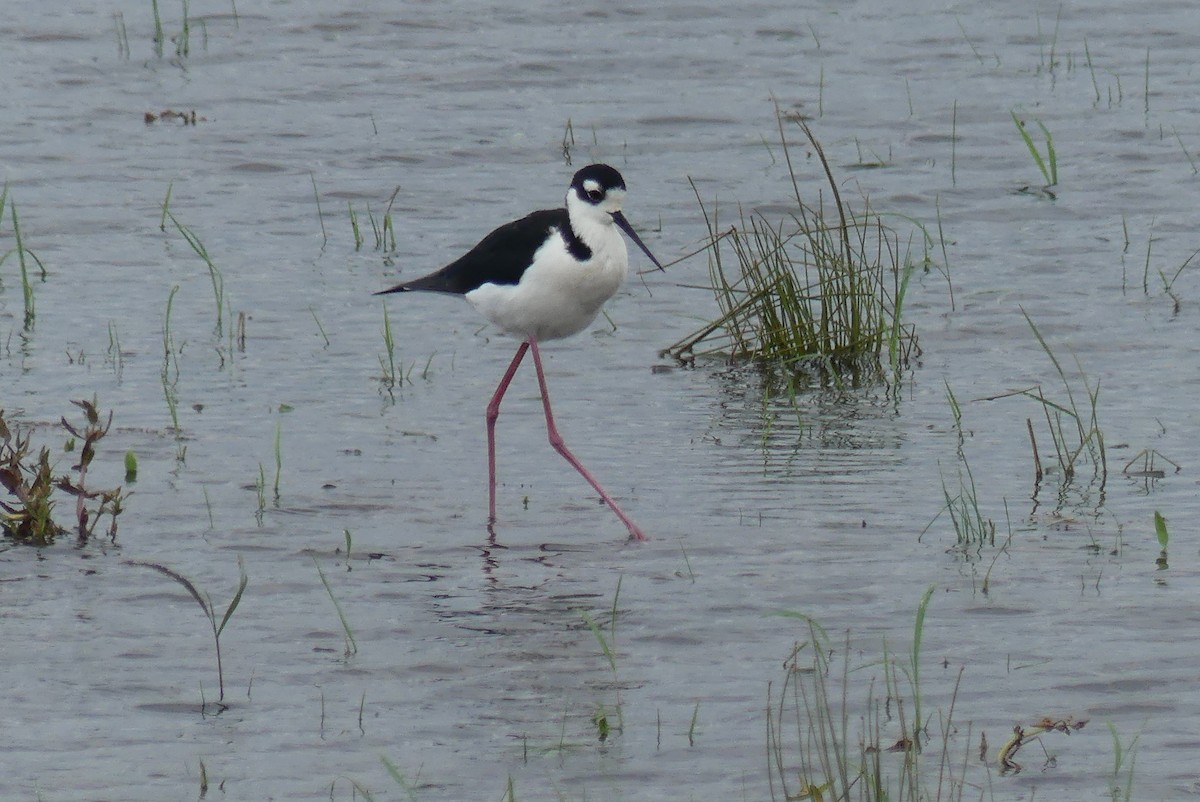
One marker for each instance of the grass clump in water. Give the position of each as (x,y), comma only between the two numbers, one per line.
(821,289)
(821,745)
(1074,426)
(1048,164)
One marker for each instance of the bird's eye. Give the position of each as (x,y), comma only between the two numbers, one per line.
(595,195)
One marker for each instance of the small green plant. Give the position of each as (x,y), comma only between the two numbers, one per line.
(114,355)
(1048,164)
(218,280)
(131,467)
(1146,89)
(351,643)
(1160,531)
(170,368)
(1087,53)
(691,733)
(21,252)
(609,648)
(914,662)
(278,457)
(122,36)
(320,214)
(392,375)
(1081,436)
(159,37)
(1183,147)
(1169,283)
(354,229)
(972,529)
(600,722)
(1074,429)
(183,41)
(260,490)
(166,205)
(206,604)
(320,328)
(1124,758)
(409,786)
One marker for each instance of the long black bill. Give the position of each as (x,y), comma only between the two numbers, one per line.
(620,220)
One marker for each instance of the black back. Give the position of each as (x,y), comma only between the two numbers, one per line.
(501,257)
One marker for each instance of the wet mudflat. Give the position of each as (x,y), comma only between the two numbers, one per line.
(473,659)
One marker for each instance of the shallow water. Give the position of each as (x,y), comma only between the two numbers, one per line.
(474,663)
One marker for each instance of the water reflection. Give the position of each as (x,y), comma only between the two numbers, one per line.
(781,417)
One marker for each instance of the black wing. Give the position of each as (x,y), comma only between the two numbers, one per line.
(500,258)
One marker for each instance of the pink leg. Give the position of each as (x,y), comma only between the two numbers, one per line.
(493,412)
(561,447)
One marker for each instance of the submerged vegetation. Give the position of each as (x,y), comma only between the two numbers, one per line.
(821,289)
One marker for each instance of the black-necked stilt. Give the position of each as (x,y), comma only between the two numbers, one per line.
(543,277)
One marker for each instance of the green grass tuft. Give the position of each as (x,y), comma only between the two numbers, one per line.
(822,289)
(1048,164)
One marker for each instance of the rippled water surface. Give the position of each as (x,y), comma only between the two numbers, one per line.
(475,662)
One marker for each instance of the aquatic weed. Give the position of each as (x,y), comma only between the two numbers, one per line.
(351,643)
(1048,164)
(358,237)
(22,252)
(1074,429)
(1084,437)
(1160,531)
(28,517)
(1124,758)
(819,290)
(170,360)
(972,529)
(214,273)
(608,646)
(321,216)
(123,52)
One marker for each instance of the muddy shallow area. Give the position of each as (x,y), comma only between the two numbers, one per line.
(474,662)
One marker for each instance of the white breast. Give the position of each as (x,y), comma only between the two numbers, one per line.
(558,296)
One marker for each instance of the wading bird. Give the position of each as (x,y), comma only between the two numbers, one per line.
(544,277)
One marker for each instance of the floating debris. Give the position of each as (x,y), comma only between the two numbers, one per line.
(168,115)
(1023,735)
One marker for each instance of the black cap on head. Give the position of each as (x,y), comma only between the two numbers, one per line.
(593,182)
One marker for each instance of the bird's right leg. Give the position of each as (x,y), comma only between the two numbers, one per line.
(493,412)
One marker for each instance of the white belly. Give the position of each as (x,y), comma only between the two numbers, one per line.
(557,296)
